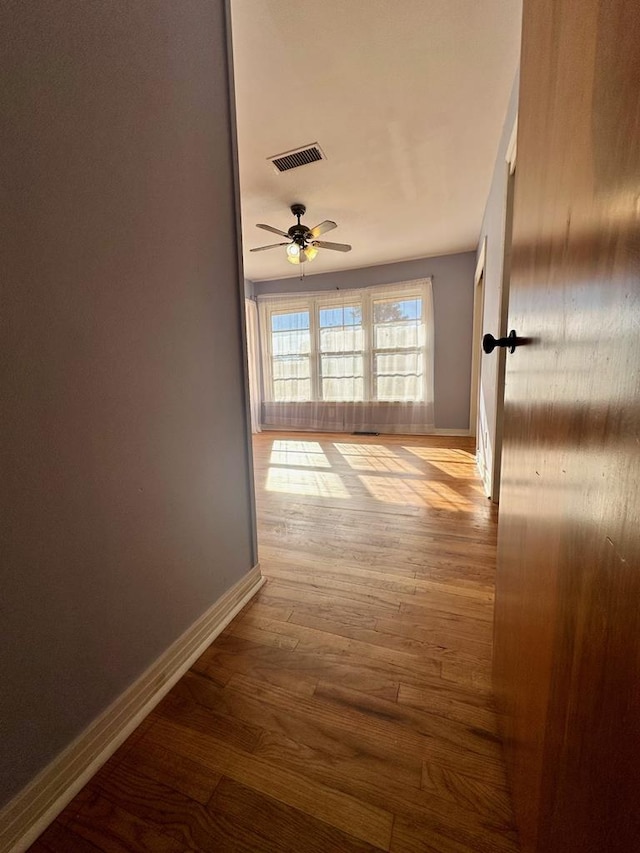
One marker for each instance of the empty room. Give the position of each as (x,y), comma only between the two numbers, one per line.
(320,432)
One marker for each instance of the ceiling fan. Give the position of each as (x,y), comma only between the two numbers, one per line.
(302,242)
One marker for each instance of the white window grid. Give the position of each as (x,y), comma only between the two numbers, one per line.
(313,303)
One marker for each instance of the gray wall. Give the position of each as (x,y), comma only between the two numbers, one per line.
(493,228)
(126,478)
(453,316)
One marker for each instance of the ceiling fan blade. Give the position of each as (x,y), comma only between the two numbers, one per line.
(272,229)
(272,246)
(337,247)
(323,227)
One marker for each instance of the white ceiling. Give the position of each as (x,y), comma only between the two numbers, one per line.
(406,98)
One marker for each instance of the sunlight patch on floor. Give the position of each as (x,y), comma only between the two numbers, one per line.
(457,470)
(416,493)
(381,463)
(299,446)
(440,454)
(363,450)
(317,483)
(302,458)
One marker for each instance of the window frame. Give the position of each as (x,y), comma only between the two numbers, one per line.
(419,349)
(320,306)
(314,302)
(269,378)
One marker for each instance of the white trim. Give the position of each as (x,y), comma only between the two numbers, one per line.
(459,432)
(476,336)
(482,255)
(24,818)
(512,147)
(503,326)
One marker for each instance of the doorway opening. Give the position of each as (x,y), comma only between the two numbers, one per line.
(477,422)
(489,402)
(504,318)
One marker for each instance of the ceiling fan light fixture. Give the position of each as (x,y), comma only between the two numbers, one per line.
(304,244)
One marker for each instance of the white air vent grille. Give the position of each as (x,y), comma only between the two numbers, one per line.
(298,157)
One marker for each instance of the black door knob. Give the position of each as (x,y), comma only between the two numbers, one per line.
(489,343)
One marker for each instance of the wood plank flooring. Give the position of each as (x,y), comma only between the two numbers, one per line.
(348,707)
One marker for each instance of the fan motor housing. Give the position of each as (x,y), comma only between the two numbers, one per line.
(299,234)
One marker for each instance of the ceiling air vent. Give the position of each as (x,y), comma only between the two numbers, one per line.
(298,157)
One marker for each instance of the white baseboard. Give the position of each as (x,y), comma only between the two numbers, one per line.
(453,432)
(24,818)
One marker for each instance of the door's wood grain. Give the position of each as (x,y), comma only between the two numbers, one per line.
(567,662)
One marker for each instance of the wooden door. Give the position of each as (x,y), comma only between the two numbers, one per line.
(567,630)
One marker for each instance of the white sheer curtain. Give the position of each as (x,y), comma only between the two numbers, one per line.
(253,359)
(349,360)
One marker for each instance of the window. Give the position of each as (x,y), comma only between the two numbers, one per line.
(341,348)
(398,349)
(353,346)
(290,356)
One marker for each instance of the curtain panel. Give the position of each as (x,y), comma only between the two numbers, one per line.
(253,362)
(349,360)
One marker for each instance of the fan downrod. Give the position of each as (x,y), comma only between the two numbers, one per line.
(299,232)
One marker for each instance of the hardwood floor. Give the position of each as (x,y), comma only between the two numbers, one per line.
(348,707)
